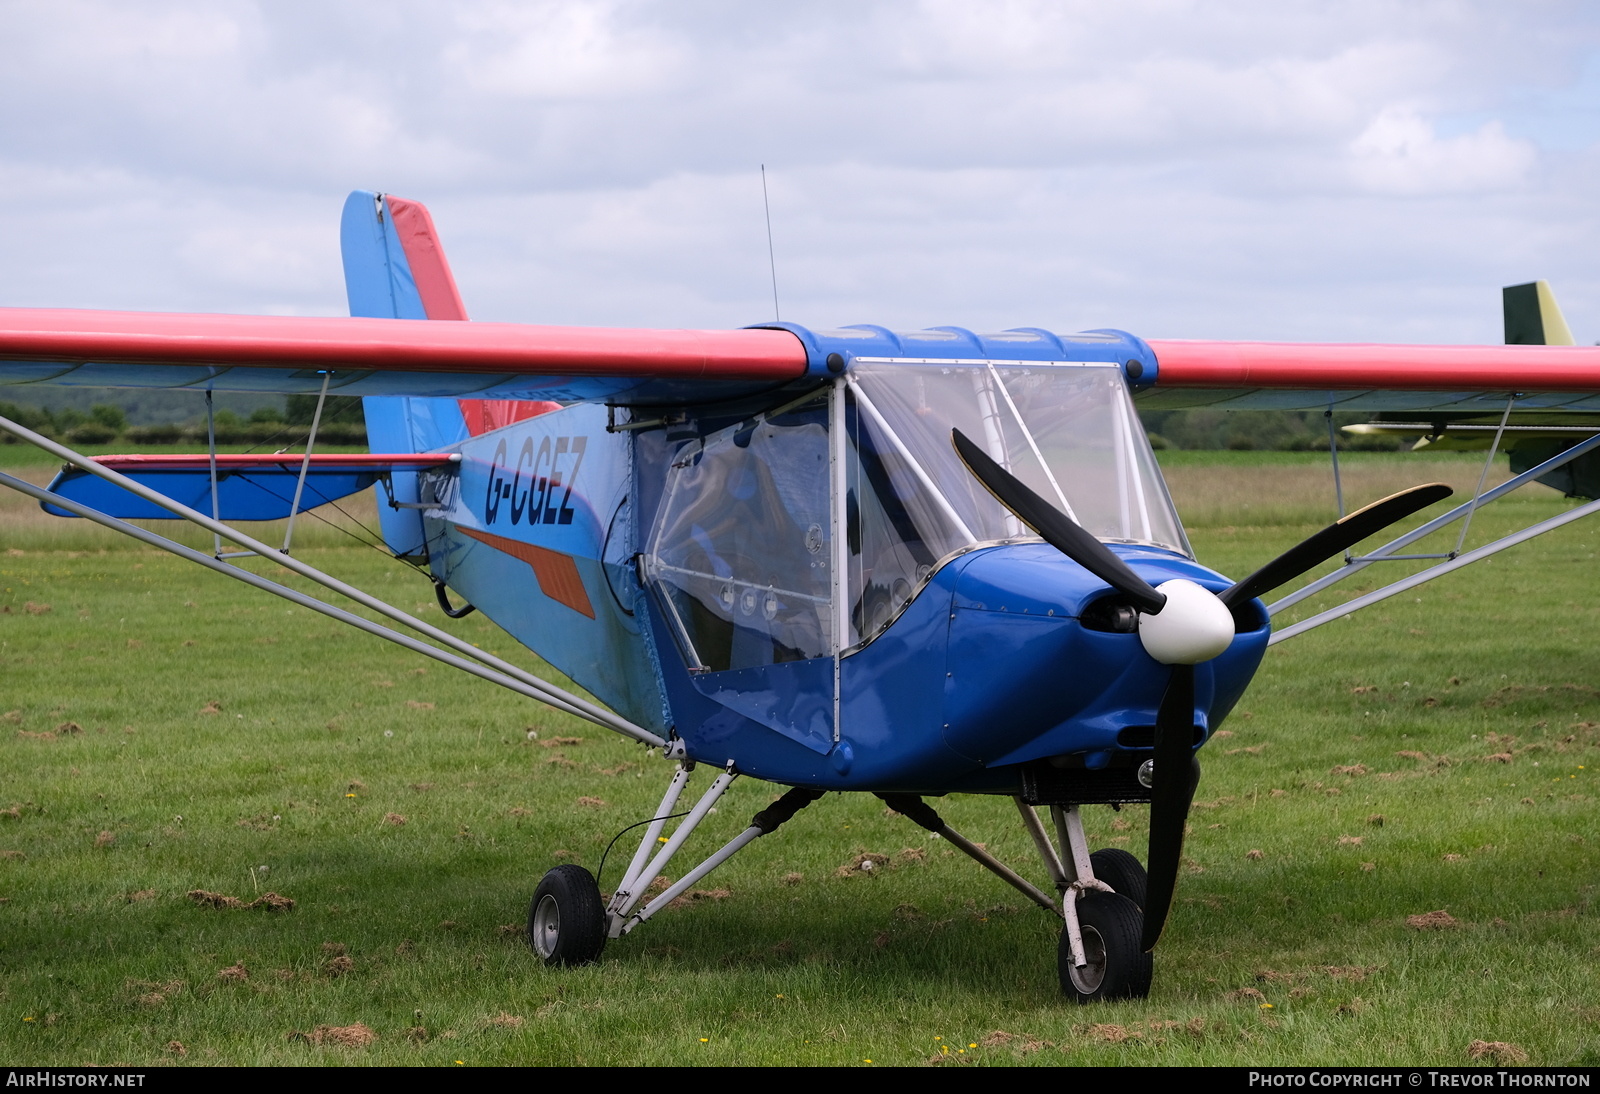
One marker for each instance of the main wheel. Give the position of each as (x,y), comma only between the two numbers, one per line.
(1122,872)
(1117,968)
(567,919)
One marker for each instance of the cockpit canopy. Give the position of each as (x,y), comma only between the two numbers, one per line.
(746,543)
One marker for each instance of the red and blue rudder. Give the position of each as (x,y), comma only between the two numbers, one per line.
(395,268)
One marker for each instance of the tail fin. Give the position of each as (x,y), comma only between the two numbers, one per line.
(1532,316)
(394,268)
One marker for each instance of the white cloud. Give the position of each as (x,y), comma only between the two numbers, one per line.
(560,50)
(1268,169)
(1400,153)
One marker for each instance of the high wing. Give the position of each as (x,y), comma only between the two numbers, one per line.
(391,356)
(637,367)
(499,361)
(396,272)
(1290,376)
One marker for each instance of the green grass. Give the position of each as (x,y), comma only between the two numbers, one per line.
(105,960)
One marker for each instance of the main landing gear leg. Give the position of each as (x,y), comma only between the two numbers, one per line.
(1099,955)
(569,922)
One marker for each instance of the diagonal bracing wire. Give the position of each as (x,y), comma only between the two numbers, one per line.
(556,696)
(200,558)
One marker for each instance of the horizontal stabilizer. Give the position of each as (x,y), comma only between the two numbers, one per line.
(250,486)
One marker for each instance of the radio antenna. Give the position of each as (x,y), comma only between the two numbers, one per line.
(772,262)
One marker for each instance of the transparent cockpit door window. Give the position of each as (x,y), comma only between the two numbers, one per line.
(740,554)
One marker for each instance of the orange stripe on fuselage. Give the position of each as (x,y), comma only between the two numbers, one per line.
(556,573)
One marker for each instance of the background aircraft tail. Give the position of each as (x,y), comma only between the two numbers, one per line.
(1532,316)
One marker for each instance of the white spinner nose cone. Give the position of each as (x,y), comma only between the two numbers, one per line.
(1192,627)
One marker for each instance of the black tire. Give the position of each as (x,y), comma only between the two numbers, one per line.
(1117,968)
(567,918)
(1122,872)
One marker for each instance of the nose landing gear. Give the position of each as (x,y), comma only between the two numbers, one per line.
(1114,967)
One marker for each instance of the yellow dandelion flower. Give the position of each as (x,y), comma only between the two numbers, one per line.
(705,1040)
(1266,1006)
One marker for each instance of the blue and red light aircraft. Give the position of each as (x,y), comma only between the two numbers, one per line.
(902,563)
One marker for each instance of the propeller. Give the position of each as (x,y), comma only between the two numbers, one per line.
(1175,775)
(1180,624)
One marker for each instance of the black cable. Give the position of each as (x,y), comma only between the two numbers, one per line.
(624,832)
(376,543)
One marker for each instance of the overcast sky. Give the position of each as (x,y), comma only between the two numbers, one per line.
(1340,171)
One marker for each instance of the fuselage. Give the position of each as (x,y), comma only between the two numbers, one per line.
(816,591)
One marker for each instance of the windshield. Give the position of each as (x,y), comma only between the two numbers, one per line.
(1068,431)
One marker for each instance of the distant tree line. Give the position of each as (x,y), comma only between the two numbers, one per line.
(107,423)
(1259,430)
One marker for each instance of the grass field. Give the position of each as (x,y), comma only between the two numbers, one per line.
(165,731)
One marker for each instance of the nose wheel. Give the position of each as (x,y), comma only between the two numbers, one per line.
(567,919)
(1115,968)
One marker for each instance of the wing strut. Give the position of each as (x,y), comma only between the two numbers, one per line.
(503,672)
(289,594)
(1389,551)
(1349,607)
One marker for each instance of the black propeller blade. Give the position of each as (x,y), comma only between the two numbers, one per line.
(1175,775)
(1176,772)
(1346,532)
(1059,530)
